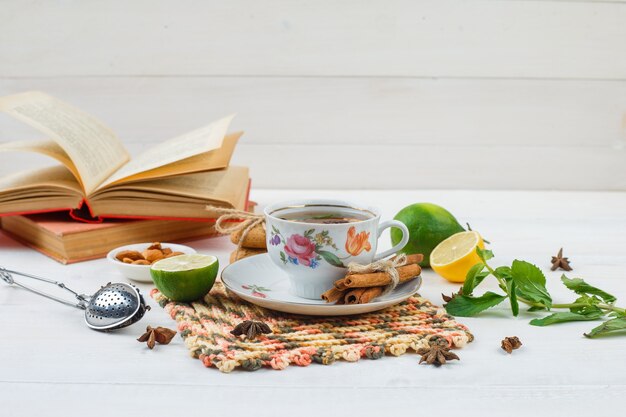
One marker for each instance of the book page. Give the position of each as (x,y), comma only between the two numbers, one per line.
(215,159)
(223,185)
(45,147)
(93,148)
(194,143)
(37,181)
(44,189)
(179,197)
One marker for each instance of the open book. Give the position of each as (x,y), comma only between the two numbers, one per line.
(175,179)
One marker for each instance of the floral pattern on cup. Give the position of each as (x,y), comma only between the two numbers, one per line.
(311,247)
(357,242)
(301,251)
(256,290)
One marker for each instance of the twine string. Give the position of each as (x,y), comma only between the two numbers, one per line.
(389,266)
(236,220)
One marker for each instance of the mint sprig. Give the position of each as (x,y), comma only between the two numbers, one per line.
(525,283)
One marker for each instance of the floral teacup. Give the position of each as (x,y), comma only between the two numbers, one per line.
(313,241)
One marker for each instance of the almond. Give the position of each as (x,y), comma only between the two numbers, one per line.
(153,255)
(141,262)
(130,254)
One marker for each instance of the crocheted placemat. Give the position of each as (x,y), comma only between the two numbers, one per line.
(301,340)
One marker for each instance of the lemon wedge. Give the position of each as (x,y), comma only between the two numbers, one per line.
(453,257)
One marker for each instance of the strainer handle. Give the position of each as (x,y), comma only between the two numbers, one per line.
(7,277)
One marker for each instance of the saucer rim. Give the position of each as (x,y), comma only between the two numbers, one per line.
(326,305)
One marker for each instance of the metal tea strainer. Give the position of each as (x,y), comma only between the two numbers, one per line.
(114,306)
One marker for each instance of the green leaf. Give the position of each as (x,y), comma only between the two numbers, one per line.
(535,308)
(282,257)
(484,254)
(504,272)
(608,327)
(466,306)
(308,233)
(513,298)
(564,317)
(530,282)
(589,305)
(473,278)
(331,258)
(581,287)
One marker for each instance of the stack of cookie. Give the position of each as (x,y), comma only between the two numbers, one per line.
(253,244)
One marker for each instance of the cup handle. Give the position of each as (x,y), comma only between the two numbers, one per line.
(399,246)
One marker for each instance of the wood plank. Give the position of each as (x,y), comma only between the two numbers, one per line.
(432,166)
(480,38)
(312,401)
(349,111)
(414,166)
(49,354)
(379,133)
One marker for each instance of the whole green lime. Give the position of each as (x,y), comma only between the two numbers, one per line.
(185,277)
(428,224)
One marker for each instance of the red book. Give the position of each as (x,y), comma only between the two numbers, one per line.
(62,238)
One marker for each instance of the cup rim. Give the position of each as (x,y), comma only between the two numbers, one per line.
(319,202)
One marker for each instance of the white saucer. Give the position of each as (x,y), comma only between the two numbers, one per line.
(258,280)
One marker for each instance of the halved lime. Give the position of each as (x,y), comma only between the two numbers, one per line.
(185,277)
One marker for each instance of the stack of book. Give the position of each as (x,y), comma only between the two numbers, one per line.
(100,197)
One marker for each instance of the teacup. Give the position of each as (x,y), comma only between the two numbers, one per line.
(313,241)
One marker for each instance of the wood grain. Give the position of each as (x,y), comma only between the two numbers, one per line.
(380,133)
(48,354)
(348,111)
(404,38)
(467,93)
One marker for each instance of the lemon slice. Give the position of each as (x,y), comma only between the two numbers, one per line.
(453,257)
(185,277)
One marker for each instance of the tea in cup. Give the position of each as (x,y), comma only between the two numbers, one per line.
(313,241)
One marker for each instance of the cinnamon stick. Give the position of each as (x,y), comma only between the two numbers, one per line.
(369,294)
(353,296)
(333,295)
(414,258)
(362,295)
(378,279)
(340,285)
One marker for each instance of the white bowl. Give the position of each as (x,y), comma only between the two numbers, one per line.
(141,273)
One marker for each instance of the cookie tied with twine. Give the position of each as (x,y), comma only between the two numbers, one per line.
(240,225)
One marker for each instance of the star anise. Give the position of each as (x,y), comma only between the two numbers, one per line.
(162,335)
(509,344)
(251,329)
(559,261)
(436,355)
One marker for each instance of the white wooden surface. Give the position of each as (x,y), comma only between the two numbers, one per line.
(51,364)
(404,94)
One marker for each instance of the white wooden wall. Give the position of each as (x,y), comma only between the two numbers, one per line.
(344,94)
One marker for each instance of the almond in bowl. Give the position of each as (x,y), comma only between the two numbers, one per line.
(134,261)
